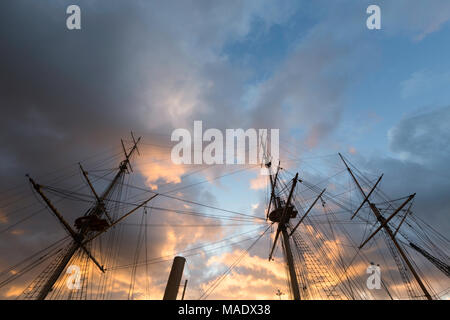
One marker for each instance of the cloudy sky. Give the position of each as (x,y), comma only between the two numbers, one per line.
(309,68)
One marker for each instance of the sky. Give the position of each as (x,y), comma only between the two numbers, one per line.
(309,68)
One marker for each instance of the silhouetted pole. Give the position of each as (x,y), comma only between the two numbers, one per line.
(184,289)
(173,283)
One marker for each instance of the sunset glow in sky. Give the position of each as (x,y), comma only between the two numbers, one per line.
(311,69)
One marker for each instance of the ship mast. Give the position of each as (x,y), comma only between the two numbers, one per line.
(282,216)
(383,225)
(84,235)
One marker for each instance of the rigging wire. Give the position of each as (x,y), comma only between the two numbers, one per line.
(216,283)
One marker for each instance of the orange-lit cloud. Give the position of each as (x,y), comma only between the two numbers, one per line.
(17,232)
(155,165)
(254,277)
(13,291)
(3,218)
(259,183)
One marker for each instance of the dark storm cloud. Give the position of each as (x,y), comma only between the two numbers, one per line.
(60,89)
(152,66)
(66,95)
(423,137)
(420,143)
(149,66)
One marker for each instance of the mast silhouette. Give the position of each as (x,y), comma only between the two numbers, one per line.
(81,238)
(282,214)
(383,225)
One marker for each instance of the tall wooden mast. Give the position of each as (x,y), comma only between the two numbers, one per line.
(83,236)
(282,214)
(383,224)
